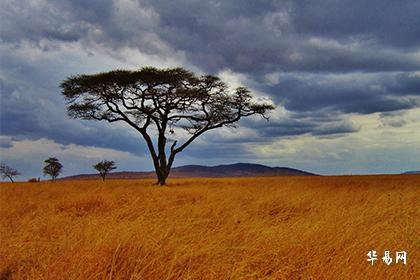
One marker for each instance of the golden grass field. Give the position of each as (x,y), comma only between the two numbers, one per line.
(243,228)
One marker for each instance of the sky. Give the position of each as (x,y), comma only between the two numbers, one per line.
(344,75)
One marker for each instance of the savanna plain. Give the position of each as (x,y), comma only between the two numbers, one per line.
(201,228)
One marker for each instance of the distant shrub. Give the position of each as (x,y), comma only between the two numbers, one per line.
(33,180)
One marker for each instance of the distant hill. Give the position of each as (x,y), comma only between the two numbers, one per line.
(412,172)
(228,170)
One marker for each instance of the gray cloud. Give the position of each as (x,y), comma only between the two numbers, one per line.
(245,36)
(383,22)
(111,24)
(330,95)
(337,128)
(406,84)
(393,122)
(393,119)
(25,117)
(6,142)
(331,58)
(311,126)
(315,36)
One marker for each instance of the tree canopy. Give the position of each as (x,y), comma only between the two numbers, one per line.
(104,167)
(52,168)
(162,102)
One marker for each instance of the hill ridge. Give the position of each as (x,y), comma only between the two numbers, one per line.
(412,172)
(224,170)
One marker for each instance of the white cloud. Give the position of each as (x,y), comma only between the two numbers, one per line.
(375,149)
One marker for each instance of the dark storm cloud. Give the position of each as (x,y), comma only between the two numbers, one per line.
(315,36)
(245,36)
(5,143)
(330,95)
(25,117)
(111,24)
(303,41)
(406,85)
(394,23)
(32,21)
(293,126)
(208,150)
(336,128)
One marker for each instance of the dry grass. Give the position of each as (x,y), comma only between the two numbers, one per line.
(250,228)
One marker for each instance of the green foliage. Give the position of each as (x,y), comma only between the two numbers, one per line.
(52,168)
(104,167)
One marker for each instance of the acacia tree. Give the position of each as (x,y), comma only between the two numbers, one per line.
(104,167)
(159,103)
(8,172)
(52,168)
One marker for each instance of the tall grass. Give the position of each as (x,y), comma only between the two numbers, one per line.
(248,228)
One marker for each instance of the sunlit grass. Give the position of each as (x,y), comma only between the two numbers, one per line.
(248,228)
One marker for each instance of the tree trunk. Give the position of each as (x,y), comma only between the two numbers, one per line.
(162,166)
(162,181)
(161,175)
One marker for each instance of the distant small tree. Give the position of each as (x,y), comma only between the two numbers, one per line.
(52,168)
(104,167)
(8,172)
